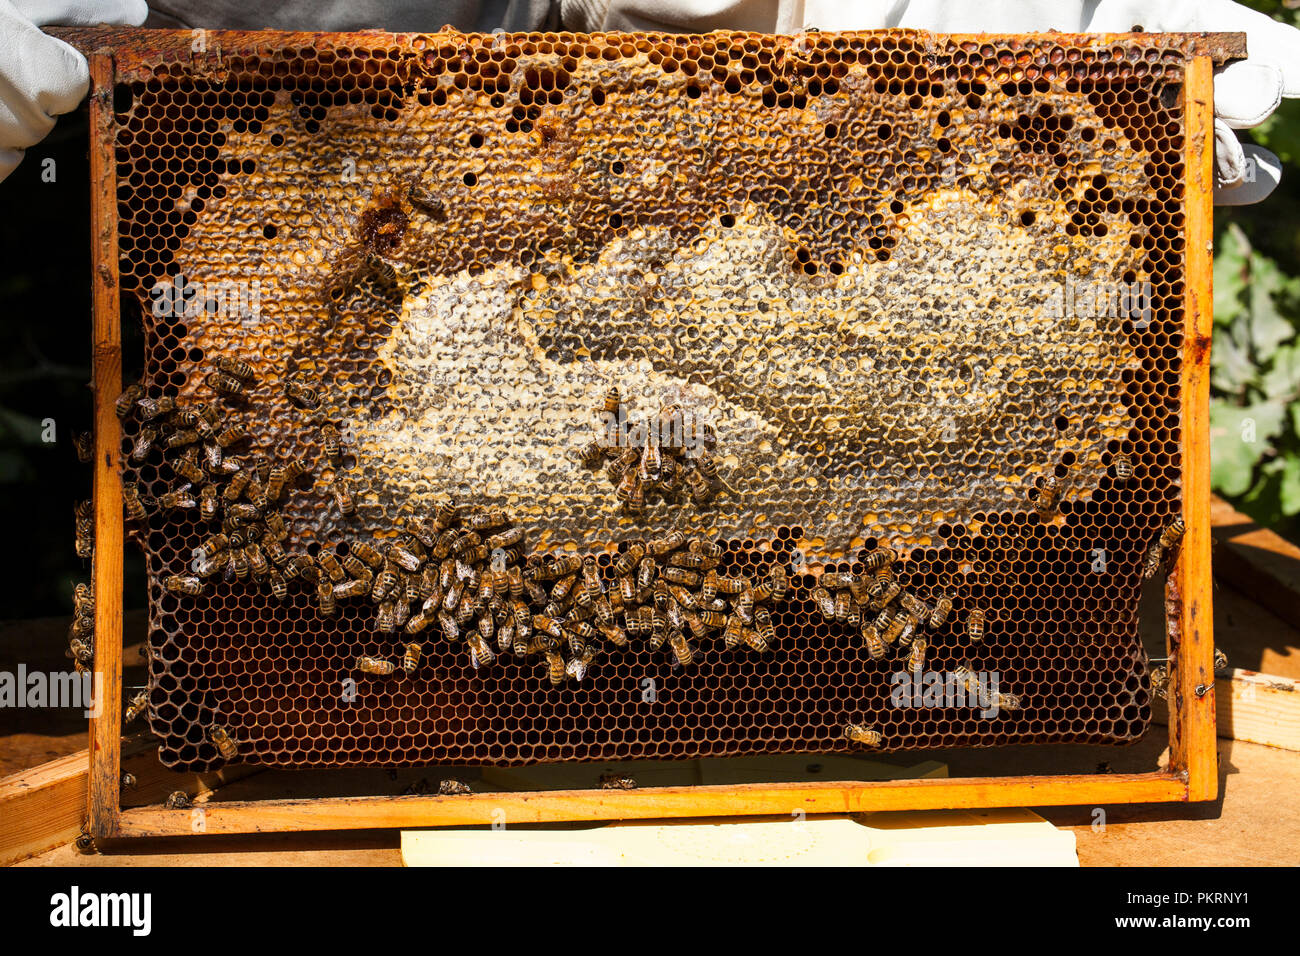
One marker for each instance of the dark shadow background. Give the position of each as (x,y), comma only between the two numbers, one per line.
(45,301)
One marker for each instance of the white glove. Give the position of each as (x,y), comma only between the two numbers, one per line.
(1245,93)
(41,77)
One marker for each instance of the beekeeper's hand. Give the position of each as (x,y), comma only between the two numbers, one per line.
(41,77)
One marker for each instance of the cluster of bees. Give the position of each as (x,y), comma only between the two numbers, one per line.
(890,619)
(668,457)
(241,495)
(466,574)
(559,609)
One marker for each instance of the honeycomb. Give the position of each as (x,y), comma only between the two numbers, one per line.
(869,261)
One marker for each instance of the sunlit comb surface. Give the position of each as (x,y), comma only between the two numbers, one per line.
(905,278)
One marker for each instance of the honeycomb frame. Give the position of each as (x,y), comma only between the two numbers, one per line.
(140,54)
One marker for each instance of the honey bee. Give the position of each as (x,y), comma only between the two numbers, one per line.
(838,580)
(177,800)
(445,514)
(131,503)
(331,442)
(698,486)
(208,504)
(82,653)
(629,560)
(182,499)
(451,787)
(965,676)
(1160,681)
(864,735)
(480,651)
(426,202)
(367,554)
(888,591)
(763,625)
(139,704)
(631,493)
(187,466)
(916,656)
(84,519)
(127,401)
(301,394)
(879,558)
(84,443)
(975,625)
(231,436)
(242,513)
(257,562)
(214,460)
(669,543)
(1220,660)
(212,546)
(825,602)
(182,584)
(236,367)
(408,556)
(329,563)
(591,454)
(143,444)
(151,408)
(325,599)
(841,606)
(83,600)
(177,439)
(223,741)
(682,650)
(876,647)
(411,659)
(778,582)
(375,665)
(279,587)
(1009,702)
(225,385)
(1047,496)
(617,781)
(1169,538)
(942,608)
(578,664)
(1123,468)
(555,668)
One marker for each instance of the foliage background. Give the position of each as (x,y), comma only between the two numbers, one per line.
(1256,352)
(45,356)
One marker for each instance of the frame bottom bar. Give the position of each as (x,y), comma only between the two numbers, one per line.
(507,808)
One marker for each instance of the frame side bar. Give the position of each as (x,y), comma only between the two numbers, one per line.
(1193,741)
(103,793)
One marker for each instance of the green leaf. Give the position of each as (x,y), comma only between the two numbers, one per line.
(1282,380)
(1231,368)
(1268,327)
(1289,490)
(1238,439)
(1230,257)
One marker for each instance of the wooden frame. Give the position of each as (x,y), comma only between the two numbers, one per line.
(1192,773)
